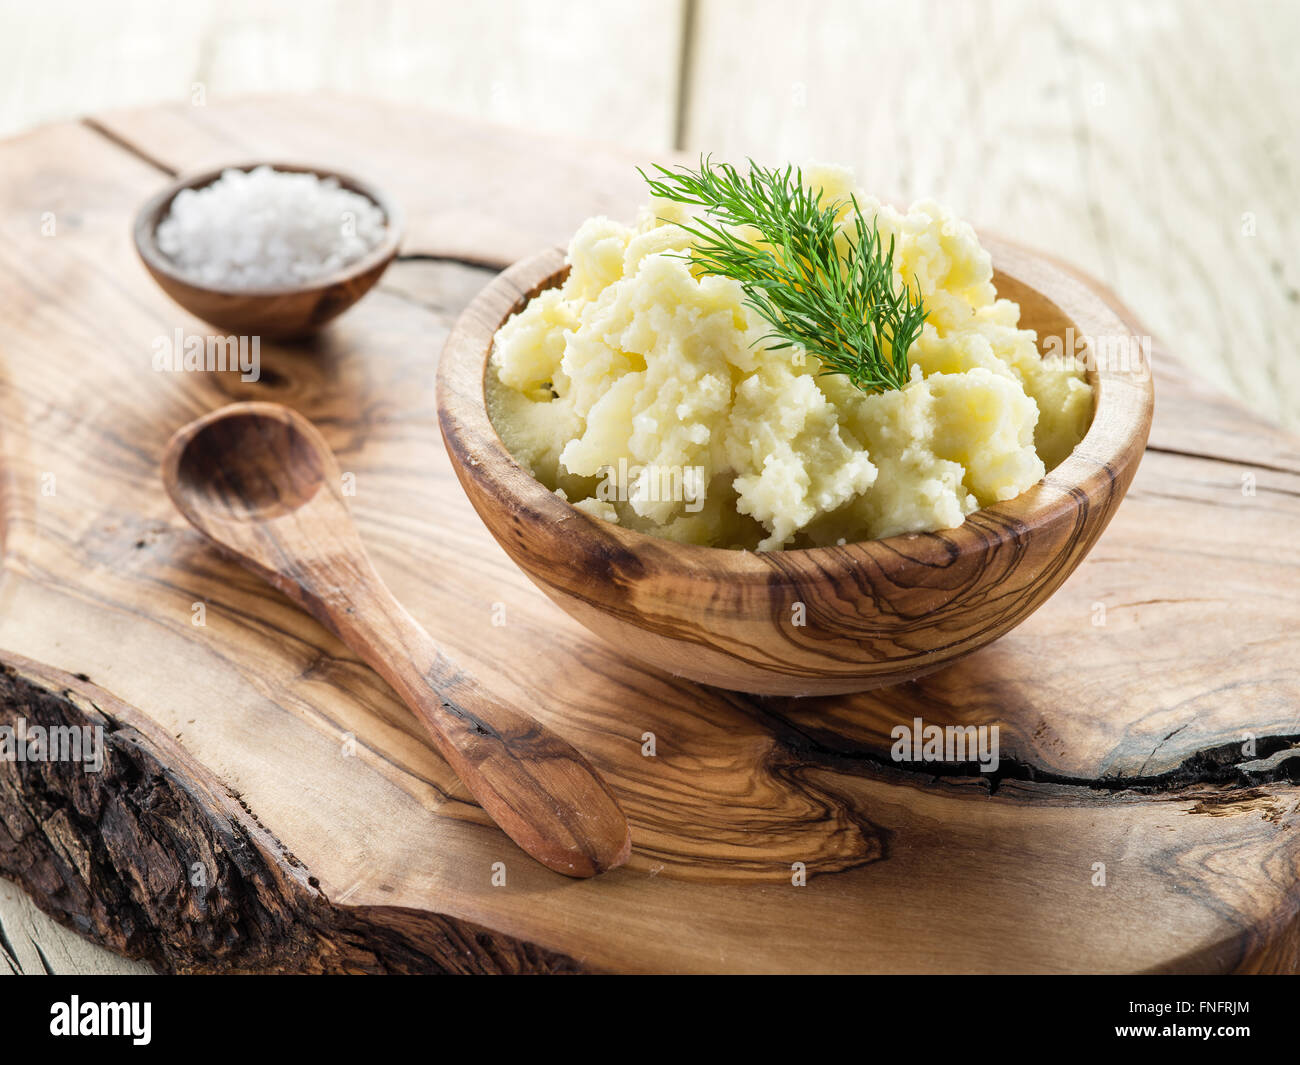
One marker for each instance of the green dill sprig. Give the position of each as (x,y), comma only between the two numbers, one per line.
(840,304)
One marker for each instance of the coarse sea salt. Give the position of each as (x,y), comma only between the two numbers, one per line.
(267,228)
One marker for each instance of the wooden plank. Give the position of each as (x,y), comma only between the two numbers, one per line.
(575,67)
(470,197)
(1149,144)
(101,579)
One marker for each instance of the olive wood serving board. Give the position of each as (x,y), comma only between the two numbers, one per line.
(267,804)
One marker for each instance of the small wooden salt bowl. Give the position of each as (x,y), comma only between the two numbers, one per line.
(294,310)
(874,613)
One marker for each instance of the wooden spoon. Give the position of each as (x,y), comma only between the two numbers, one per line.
(260,482)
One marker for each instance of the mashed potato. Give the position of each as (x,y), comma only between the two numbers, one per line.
(645,395)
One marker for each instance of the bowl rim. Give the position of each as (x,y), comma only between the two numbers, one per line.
(145,225)
(1100,466)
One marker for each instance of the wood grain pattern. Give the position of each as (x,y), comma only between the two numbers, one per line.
(152,854)
(289,311)
(874,613)
(1122,742)
(259,481)
(506,61)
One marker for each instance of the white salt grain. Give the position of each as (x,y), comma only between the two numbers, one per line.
(268,228)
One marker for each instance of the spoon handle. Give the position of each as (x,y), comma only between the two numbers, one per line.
(541,792)
(260,481)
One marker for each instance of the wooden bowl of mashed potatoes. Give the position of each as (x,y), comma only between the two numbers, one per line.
(812,590)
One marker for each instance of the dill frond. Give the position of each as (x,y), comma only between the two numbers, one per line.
(840,304)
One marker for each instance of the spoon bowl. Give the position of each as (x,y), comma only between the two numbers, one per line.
(234,464)
(260,482)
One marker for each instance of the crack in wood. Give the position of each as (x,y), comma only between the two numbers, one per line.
(7,948)
(485,262)
(45,962)
(1227,460)
(98,128)
(1224,766)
